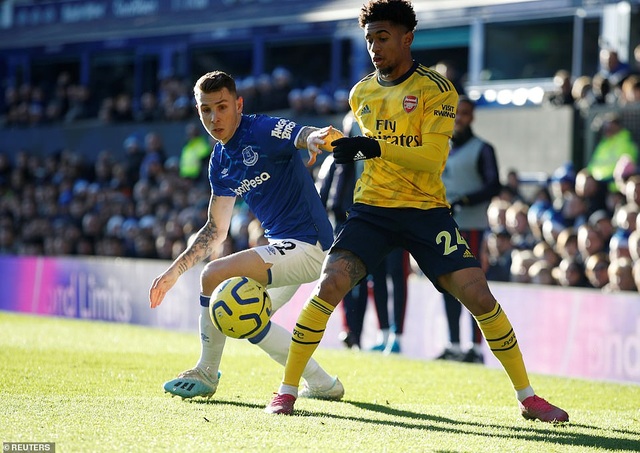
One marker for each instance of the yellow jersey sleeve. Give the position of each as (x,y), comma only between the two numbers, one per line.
(412,119)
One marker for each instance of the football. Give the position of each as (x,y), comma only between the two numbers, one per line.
(240,307)
(332,134)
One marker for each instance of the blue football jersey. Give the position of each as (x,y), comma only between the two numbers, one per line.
(262,165)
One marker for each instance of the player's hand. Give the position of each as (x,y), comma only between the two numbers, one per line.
(320,140)
(352,149)
(160,287)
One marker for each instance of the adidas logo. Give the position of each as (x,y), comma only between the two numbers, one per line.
(359,156)
(468,254)
(365,110)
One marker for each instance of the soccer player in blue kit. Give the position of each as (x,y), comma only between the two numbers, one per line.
(256,157)
(406,113)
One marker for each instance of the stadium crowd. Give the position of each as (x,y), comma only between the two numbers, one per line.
(579,230)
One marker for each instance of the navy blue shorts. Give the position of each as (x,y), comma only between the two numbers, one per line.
(431,236)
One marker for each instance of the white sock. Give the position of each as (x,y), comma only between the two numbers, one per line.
(276,344)
(455,347)
(288,389)
(212,344)
(396,337)
(524,393)
(383,336)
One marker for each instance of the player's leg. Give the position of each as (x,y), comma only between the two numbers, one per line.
(381,301)
(354,305)
(275,341)
(453,310)
(444,256)
(475,240)
(342,269)
(471,288)
(398,269)
(202,380)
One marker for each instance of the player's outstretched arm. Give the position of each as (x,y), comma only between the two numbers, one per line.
(317,140)
(212,234)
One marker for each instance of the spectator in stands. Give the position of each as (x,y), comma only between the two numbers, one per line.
(630,91)
(625,217)
(570,273)
(281,86)
(634,244)
(594,192)
(122,109)
(296,103)
(472,180)
(448,69)
(597,270)
(513,186)
(149,110)
(567,244)
(516,222)
(590,241)
(499,251)
(621,276)
(264,89)
(619,245)
(521,262)
(602,222)
(79,107)
(153,162)
(194,156)
(545,252)
(497,213)
(636,274)
(541,273)
(561,95)
(535,217)
(612,68)
(582,94)
(616,141)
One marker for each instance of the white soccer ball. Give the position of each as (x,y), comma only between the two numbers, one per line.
(240,307)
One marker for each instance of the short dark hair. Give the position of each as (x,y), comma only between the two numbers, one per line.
(467,100)
(399,12)
(215,81)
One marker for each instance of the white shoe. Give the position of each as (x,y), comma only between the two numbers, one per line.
(335,392)
(192,383)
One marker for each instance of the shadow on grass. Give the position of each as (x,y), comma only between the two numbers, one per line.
(548,433)
(537,432)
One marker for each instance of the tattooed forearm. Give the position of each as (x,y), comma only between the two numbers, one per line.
(301,141)
(202,247)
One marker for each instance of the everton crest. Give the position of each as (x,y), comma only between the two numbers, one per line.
(249,156)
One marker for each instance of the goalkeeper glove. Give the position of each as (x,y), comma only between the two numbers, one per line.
(352,149)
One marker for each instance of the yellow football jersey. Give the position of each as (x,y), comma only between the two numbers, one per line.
(412,119)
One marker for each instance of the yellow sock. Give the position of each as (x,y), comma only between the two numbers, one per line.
(306,337)
(502,341)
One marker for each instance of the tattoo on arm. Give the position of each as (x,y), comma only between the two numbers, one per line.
(201,247)
(301,141)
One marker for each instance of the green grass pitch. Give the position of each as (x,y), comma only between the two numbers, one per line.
(97,387)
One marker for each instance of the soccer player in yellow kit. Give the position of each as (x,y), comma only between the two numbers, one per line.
(406,112)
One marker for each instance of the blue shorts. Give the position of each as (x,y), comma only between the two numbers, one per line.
(431,236)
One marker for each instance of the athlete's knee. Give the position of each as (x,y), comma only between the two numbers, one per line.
(479,302)
(342,271)
(210,277)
